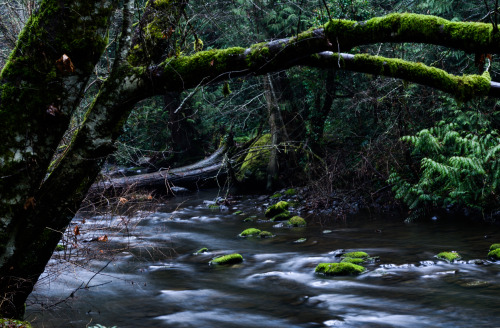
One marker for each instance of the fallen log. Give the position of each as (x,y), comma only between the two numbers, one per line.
(207,172)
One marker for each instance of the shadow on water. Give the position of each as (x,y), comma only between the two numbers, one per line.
(158,282)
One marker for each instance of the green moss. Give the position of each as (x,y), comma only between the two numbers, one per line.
(276,209)
(249,219)
(353,260)
(265,234)
(11,323)
(201,251)
(297,221)
(339,269)
(285,215)
(290,192)
(494,246)
(449,256)
(356,255)
(238,212)
(254,166)
(60,248)
(214,207)
(494,254)
(250,232)
(228,259)
(277,195)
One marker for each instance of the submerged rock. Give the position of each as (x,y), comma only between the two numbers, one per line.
(265,234)
(250,232)
(228,259)
(339,269)
(449,256)
(356,255)
(201,251)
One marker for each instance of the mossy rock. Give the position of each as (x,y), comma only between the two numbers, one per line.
(60,247)
(277,195)
(339,269)
(227,259)
(449,256)
(281,216)
(494,246)
(356,255)
(8,323)
(238,212)
(277,208)
(494,254)
(250,232)
(250,219)
(290,192)
(265,234)
(254,167)
(353,260)
(297,221)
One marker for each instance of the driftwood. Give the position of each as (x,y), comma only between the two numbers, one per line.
(209,171)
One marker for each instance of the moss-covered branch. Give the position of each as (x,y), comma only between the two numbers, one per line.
(467,36)
(463,88)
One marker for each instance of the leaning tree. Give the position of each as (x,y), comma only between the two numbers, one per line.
(45,78)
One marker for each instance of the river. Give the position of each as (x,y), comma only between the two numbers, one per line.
(155,280)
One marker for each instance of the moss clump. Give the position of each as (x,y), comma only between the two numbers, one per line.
(250,232)
(282,216)
(494,254)
(276,209)
(353,260)
(449,256)
(60,247)
(290,192)
(14,323)
(494,246)
(214,207)
(201,251)
(250,219)
(228,259)
(277,195)
(356,255)
(265,234)
(297,221)
(238,212)
(254,166)
(339,269)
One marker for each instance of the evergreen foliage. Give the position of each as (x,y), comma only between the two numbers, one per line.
(459,165)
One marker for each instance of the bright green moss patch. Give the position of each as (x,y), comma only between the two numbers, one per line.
(250,232)
(228,259)
(255,163)
(356,255)
(339,269)
(238,212)
(353,260)
(10,323)
(494,246)
(494,254)
(60,247)
(202,250)
(290,192)
(449,256)
(297,221)
(276,209)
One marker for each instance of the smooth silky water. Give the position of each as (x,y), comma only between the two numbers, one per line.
(158,282)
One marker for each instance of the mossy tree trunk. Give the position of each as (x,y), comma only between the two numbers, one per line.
(45,78)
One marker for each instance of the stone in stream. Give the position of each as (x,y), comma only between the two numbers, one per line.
(228,259)
(274,210)
(201,251)
(494,253)
(449,256)
(250,232)
(297,221)
(339,269)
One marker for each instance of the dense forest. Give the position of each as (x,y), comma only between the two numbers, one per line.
(387,103)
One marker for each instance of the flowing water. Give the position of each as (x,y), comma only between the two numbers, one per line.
(157,281)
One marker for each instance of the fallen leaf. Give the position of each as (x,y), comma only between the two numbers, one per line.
(122,200)
(30,203)
(65,65)
(103,238)
(76,231)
